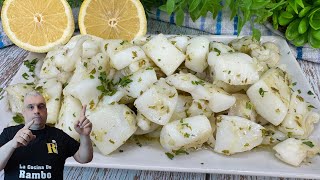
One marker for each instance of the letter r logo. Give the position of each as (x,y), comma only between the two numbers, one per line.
(52,147)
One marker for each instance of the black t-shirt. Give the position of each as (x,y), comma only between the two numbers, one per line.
(42,158)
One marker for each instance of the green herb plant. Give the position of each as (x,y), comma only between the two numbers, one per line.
(252,11)
(301,21)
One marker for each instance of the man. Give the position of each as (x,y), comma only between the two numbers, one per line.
(38,151)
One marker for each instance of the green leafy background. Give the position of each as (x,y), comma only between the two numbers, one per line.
(298,19)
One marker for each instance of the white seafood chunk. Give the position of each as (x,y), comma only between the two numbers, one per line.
(271,95)
(69,113)
(233,68)
(64,77)
(183,104)
(185,133)
(122,58)
(181,42)
(268,55)
(90,48)
(140,41)
(272,135)
(136,66)
(164,54)
(51,90)
(15,95)
(245,44)
(112,125)
(219,100)
(236,134)
(197,52)
(183,81)
(199,107)
(299,122)
(49,69)
(220,48)
(114,98)
(243,108)
(100,62)
(81,72)
(144,125)
(67,58)
(295,151)
(158,103)
(230,88)
(212,140)
(37,68)
(86,91)
(141,81)
(110,46)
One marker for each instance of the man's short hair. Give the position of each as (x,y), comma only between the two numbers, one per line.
(32,93)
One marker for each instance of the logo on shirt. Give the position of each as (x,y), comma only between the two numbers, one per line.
(52,147)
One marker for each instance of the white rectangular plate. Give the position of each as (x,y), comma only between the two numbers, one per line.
(259,162)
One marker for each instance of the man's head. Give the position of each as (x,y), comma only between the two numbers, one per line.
(35,110)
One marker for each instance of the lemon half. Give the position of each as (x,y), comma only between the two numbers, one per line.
(113,19)
(37,25)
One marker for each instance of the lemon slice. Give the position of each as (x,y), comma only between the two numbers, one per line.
(37,26)
(113,19)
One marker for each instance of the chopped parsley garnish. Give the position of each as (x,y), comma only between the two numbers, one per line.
(25,76)
(18,118)
(31,64)
(169,155)
(186,135)
(91,104)
(180,151)
(217,50)
(134,54)
(249,105)
(310,93)
(93,71)
(124,81)
(107,87)
(198,82)
(308,143)
(225,151)
(311,107)
(300,98)
(261,92)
